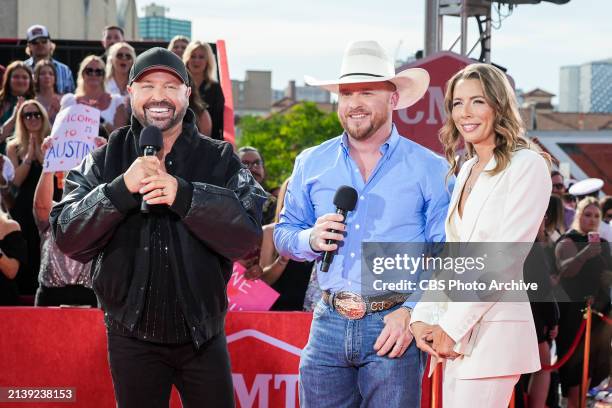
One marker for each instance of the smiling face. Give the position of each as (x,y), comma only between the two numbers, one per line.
(365,108)
(93,74)
(32,118)
(197,63)
(159,99)
(123,61)
(472,115)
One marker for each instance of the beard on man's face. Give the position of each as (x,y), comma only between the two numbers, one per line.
(362,129)
(164,123)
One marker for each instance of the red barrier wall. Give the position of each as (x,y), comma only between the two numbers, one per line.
(52,347)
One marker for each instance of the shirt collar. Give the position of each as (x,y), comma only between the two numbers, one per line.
(388,146)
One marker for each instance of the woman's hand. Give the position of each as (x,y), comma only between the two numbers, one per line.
(443,343)
(590,251)
(422,335)
(31,153)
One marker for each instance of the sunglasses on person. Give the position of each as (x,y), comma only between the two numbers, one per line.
(39,41)
(94,72)
(558,186)
(254,163)
(123,56)
(31,115)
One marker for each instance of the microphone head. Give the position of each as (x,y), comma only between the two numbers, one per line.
(151,136)
(345,198)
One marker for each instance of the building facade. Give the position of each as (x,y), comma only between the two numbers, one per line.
(68,19)
(156,26)
(586,88)
(253,96)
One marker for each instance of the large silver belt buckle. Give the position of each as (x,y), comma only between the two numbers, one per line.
(350,305)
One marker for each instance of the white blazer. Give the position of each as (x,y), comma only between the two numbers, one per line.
(497,338)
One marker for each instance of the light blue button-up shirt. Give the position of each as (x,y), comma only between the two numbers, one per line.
(404,200)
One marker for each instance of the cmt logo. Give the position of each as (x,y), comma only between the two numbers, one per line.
(267,388)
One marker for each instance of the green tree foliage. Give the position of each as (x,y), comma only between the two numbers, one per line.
(281,137)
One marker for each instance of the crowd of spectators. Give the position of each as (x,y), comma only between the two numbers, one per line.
(33,92)
(572,264)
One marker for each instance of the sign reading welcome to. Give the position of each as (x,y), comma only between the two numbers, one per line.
(74,132)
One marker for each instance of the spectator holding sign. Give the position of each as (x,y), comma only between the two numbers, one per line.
(17,86)
(27,157)
(91,91)
(45,85)
(63,281)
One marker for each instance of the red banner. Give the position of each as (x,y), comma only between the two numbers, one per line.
(422,121)
(52,348)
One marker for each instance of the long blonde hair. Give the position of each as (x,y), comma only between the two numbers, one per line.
(112,54)
(210,73)
(22,136)
(580,207)
(175,39)
(508,126)
(80,82)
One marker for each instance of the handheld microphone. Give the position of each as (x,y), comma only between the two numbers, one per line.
(345,201)
(151,142)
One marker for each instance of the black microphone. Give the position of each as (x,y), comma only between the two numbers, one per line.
(151,142)
(345,201)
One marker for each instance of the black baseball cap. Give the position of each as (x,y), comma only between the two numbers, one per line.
(158,58)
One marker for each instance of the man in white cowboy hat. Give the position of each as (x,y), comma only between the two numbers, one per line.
(360,351)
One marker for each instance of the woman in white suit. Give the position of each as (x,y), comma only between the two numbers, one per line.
(500,195)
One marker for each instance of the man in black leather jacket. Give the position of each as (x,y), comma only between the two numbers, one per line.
(161,277)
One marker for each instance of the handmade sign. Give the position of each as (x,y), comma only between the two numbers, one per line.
(248,295)
(74,132)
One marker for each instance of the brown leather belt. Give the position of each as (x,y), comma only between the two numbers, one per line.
(354,306)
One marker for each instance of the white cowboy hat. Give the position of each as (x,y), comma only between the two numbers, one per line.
(367,61)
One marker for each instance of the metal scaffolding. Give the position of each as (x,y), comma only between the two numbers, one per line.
(436,10)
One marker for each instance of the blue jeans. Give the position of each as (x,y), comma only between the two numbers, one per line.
(339,366)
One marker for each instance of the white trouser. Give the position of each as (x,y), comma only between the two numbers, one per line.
(492,392)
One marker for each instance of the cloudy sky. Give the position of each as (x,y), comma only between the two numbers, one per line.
(293,38)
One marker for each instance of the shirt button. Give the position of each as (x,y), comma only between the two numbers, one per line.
(357,226)
(362,198)
(169,162)
(356,170)
(352,254)
(137,311)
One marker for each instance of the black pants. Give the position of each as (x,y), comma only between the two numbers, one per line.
(143,373)
(68,295)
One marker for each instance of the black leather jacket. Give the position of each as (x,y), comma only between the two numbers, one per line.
(215,219)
